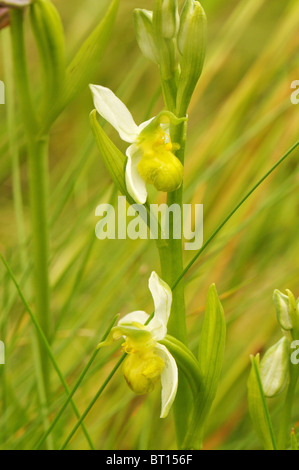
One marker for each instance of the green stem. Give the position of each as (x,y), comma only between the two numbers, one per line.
(171,259)
(38,176)
(171,253)
(38,181)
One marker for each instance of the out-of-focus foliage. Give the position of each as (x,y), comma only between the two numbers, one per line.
(241,121)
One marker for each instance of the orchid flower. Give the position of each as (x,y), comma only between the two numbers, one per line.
(147,360)
(150,156)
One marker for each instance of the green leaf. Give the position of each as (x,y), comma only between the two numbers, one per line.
(210,358)
(258,407)
(212,342)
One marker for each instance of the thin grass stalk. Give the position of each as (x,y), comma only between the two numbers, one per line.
(43,339)
(38,181)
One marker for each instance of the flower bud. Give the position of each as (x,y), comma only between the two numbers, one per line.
(166,19)
(192,46)
(285,306)
(144,34)
(275,368)
(165,24)
(142,370)
(48,32)
(170,19)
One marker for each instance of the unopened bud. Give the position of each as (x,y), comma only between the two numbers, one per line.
(142,370)
(192,46)
(144,34)
(165,25)
(170,19)
(285,306)
(275,368)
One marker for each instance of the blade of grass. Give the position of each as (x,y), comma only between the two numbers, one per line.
(46,345)
(93,401)
(74,389)
(219,228)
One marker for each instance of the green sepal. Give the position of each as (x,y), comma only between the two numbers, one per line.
(186,362)
(114,159)
(258,408)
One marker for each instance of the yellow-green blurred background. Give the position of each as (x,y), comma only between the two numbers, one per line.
(241,121)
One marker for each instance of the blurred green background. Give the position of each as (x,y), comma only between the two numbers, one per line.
(241,121)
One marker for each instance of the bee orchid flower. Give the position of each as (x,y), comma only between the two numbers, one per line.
(147,360)
(150,157)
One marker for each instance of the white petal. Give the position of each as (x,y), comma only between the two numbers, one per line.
(169,379)
(139,317)
(114,111)
(162,297)
(135,184)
